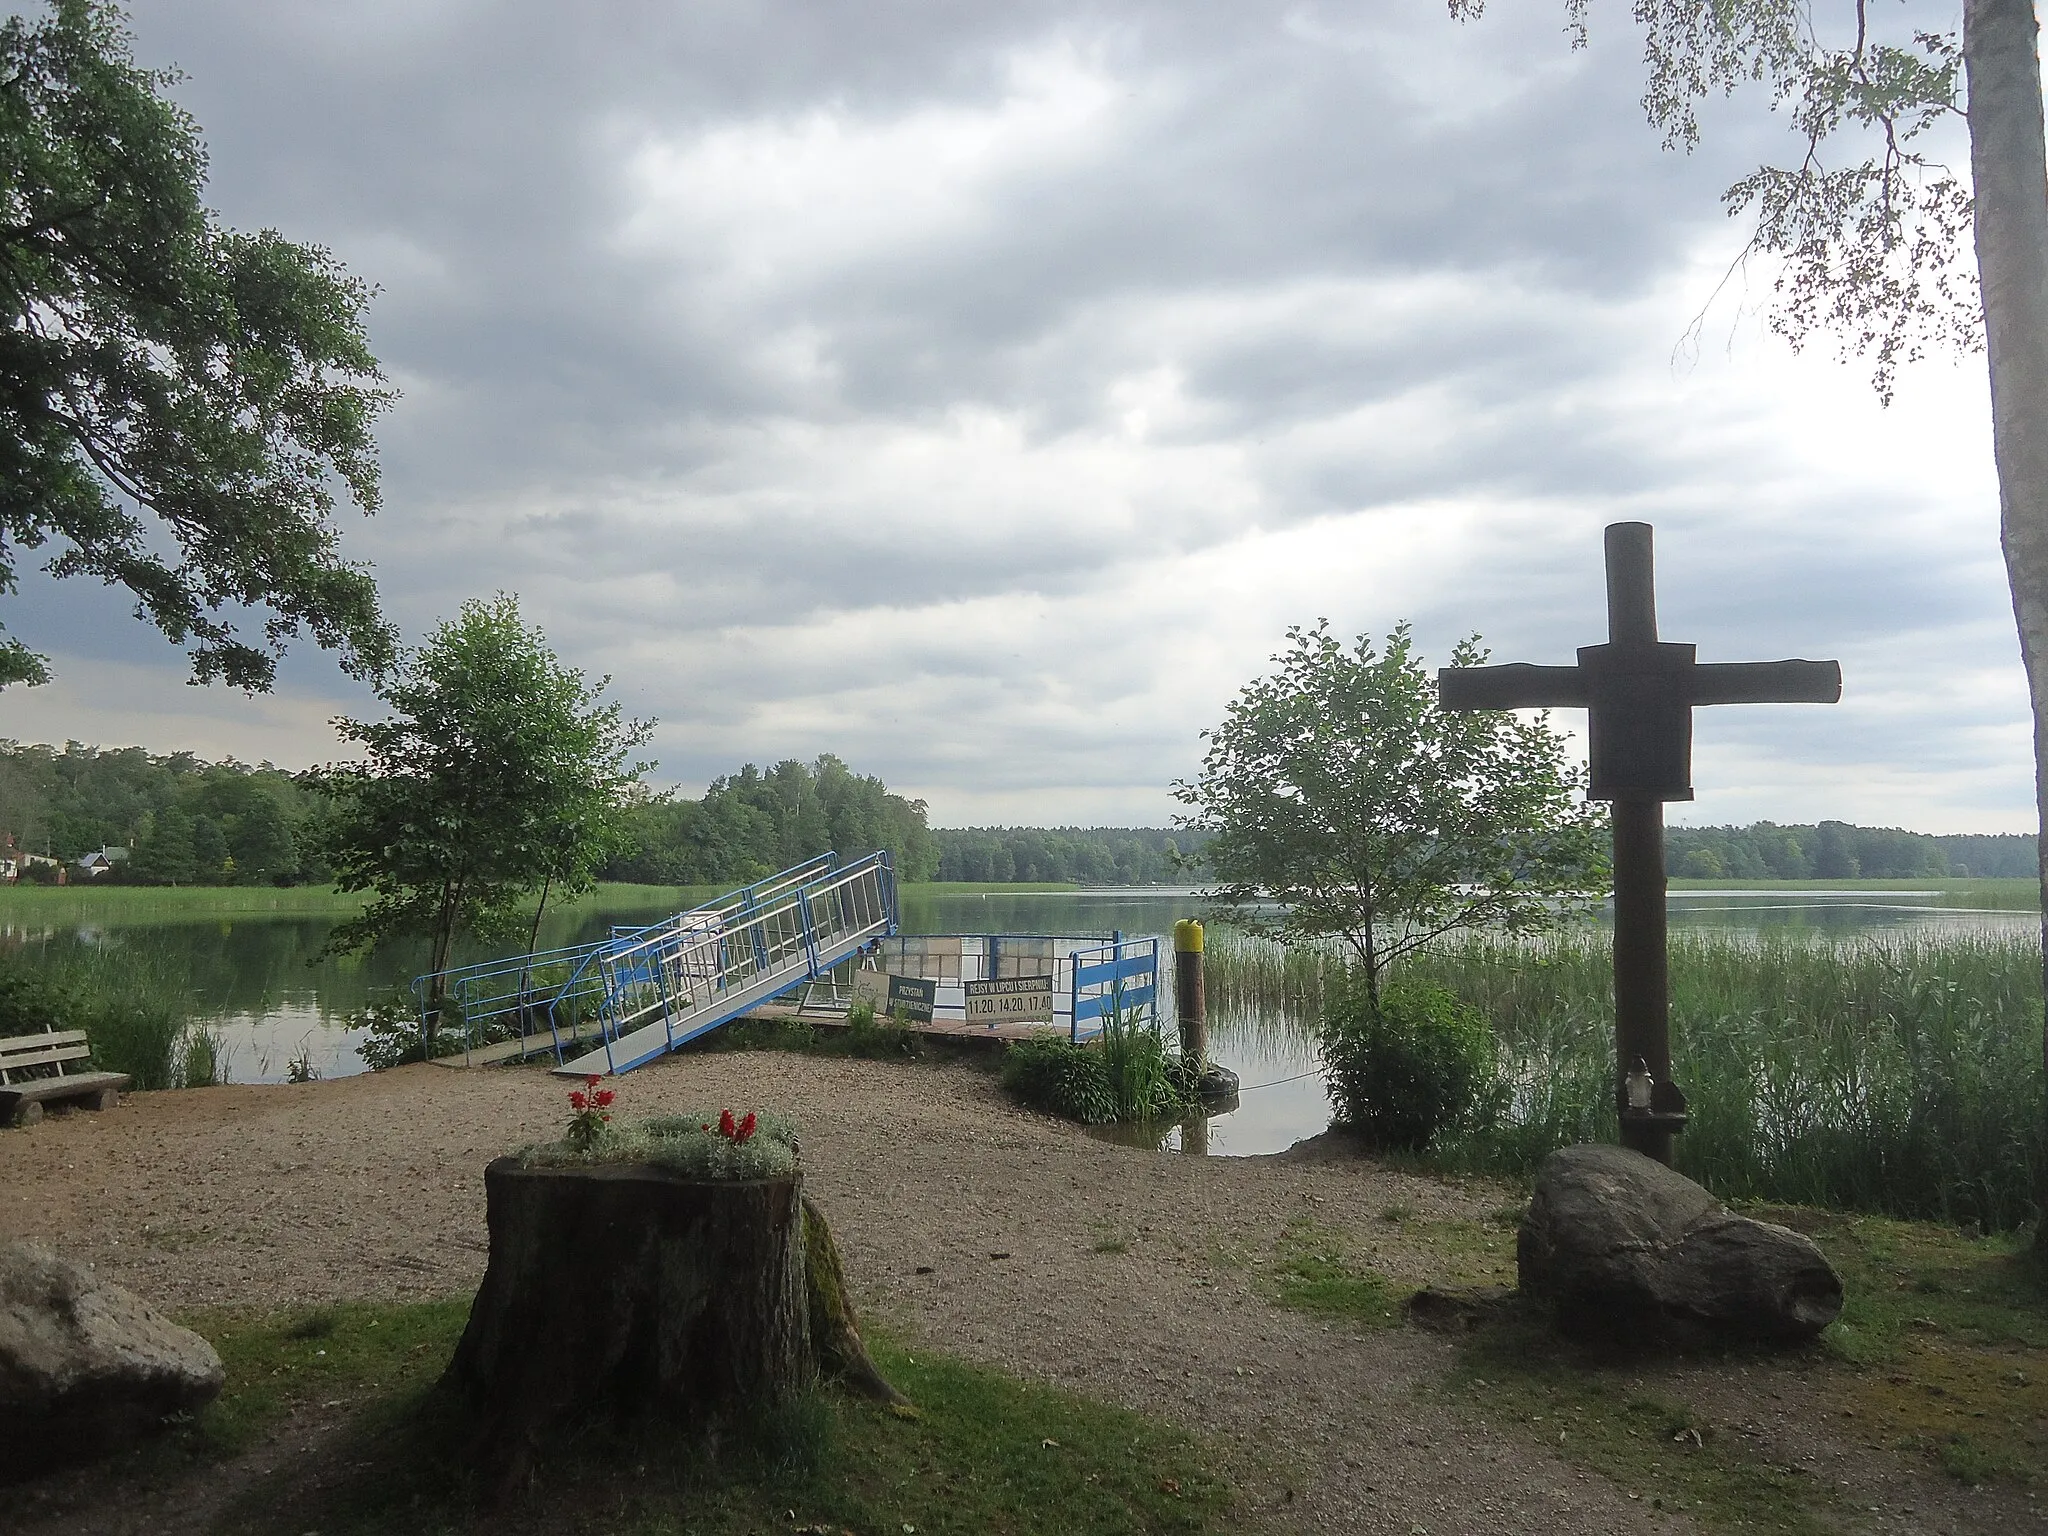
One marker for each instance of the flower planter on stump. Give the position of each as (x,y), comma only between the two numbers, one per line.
(633,1290)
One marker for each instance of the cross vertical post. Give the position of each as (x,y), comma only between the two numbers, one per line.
(1642,984)
(1639,693)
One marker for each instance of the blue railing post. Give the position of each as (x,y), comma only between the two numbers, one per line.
(810,932)
(1074,997)
(760,942)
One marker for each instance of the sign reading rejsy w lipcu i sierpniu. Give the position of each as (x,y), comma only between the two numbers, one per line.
(1010,1000)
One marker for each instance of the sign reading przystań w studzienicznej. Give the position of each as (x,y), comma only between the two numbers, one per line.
(911,996)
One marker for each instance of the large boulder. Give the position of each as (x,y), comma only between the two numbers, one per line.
(1620,1246)
(86,1366)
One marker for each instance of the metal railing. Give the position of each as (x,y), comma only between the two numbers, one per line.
(694,973)
(579,991)
(1121,976)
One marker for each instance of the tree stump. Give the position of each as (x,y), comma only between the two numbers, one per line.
(636,1291)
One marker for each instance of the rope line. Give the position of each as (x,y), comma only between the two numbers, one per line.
(1279,1081)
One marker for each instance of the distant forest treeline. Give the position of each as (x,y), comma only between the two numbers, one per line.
(1835,850)
(173,820)
(1077,855)
(179,820)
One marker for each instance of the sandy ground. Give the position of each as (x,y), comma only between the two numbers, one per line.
(372,1187)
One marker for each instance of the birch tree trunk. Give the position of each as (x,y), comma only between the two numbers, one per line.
(2009,169)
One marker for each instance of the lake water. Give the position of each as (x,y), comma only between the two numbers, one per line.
(270,1005)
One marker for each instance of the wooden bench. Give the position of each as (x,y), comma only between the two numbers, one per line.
(35,1070)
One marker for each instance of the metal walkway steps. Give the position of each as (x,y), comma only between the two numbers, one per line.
(686,1023)
(644,991)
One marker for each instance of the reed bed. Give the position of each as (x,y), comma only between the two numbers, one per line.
(1901,1075)
(135,1002)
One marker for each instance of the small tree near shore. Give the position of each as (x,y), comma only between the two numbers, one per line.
(500,774)
(1337,789)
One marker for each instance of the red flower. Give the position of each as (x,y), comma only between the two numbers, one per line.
(746,1129)
(578,1102)
(592,1081)
(604,1098)
(726,1126)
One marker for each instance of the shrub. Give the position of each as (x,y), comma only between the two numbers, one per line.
(30,1002)
(1060,1078)
(878,1039)
(1407,1069)
(394,1036)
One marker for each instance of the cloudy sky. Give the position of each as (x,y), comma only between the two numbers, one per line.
(978,391)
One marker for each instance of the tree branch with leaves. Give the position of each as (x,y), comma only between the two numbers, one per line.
(182,407)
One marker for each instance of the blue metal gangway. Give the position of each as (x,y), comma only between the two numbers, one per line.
(644,991)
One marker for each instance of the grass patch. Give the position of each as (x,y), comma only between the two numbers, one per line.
(1906,1283)
(1651,1447)
(1313,1272)
(990,1454)
(1940,1358)
(1944,1343)
(278,1360)
(122,905)
(989,887)
(1982,894)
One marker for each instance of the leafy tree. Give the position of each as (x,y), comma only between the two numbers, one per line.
(166,854)
(500,774)
(1337,788)
(1872,242)
(154,363)
(209,852)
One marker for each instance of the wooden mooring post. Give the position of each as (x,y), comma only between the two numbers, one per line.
(1190,1002)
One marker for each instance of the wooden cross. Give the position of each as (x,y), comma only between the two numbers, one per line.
(1639,692)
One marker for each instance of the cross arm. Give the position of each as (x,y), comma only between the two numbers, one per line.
(1516,685)
(1766,682)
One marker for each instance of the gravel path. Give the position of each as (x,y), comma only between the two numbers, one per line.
(371,1187)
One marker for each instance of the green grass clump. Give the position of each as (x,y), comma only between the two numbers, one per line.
(691,1145)
(1313,1273)
(1060,1078)
(875,1038)
(1124,1074)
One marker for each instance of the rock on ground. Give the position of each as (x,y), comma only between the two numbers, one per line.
(86,1366)
(1620,1245)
